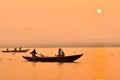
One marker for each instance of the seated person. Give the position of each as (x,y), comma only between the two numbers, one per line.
(61,52)
(15,49)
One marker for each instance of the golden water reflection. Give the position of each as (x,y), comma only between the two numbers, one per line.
(100,65)
(96,64)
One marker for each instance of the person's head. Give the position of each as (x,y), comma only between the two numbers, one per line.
(60,49)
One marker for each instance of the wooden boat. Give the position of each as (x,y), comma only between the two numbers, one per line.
(70,58)
(25,50)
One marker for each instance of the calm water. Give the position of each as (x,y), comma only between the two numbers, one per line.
(96,64)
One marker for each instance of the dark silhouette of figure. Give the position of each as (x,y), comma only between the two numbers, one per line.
(34,53)
(61,52)
(7,49)
(15,49)
(20,48)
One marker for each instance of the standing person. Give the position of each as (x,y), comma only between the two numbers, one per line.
(33,53)
(61,52)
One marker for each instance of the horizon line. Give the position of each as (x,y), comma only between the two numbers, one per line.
(66,45)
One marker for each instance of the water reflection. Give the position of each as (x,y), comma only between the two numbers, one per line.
(61,63)
(96,64)
(100,65)
(100,76)
(67,70)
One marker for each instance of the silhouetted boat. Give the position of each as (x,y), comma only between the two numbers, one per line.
(25,50)
(70,58)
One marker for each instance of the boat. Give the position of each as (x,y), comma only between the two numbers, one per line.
(70,58)
(25,50)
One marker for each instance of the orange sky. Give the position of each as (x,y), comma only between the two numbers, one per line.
(64,21)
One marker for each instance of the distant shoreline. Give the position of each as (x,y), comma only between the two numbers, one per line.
(52,45)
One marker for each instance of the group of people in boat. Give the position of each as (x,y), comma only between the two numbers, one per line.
(60,53)
(20,48)
(15,49)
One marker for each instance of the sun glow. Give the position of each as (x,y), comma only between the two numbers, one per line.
(99,11)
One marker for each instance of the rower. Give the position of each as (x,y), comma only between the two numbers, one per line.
(34,53)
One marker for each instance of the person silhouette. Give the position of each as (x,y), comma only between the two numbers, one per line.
(61,52)
(34,53)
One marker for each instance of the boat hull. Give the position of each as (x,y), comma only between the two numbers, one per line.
(54,59)
(17,51)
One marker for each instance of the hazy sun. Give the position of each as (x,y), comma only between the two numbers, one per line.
(99,11)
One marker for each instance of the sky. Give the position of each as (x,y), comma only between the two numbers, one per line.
(33,22)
